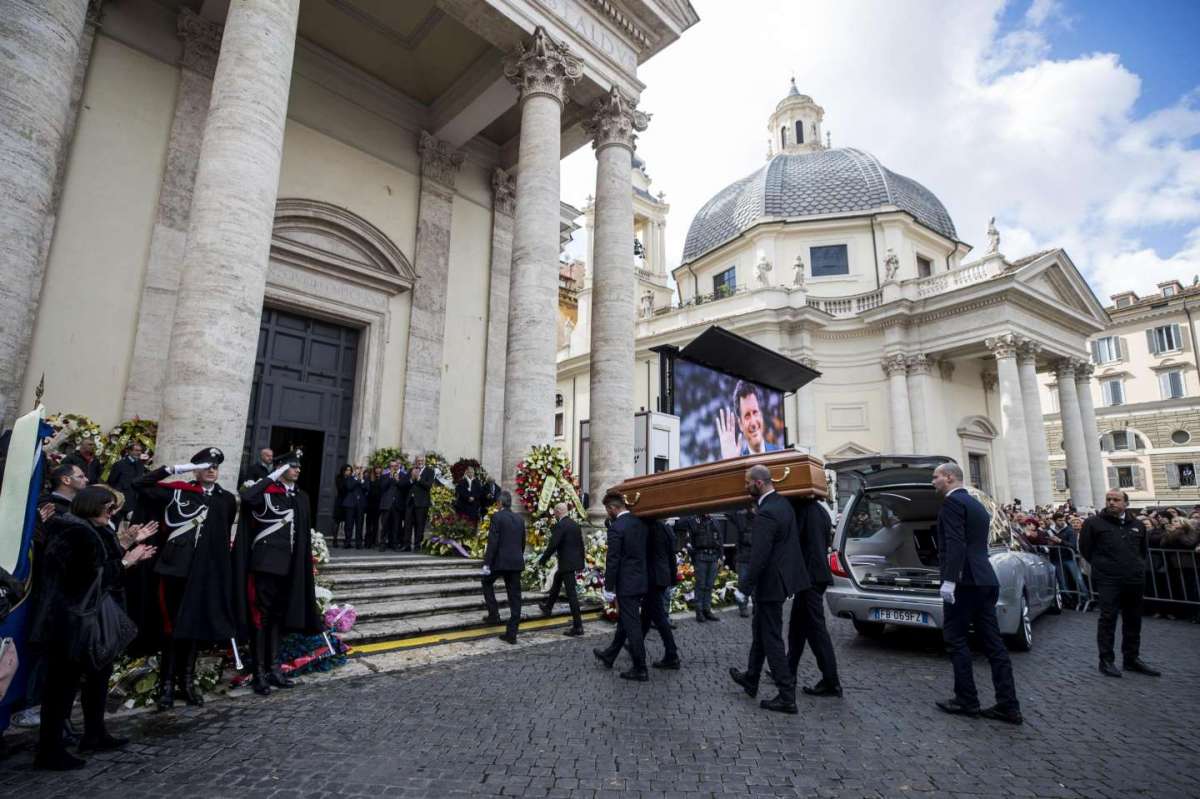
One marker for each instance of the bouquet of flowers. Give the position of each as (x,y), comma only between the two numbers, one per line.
(123,436)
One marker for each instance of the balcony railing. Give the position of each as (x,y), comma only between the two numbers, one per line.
(847,306)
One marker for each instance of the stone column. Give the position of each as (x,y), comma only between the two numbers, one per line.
(806,411)
(542,69)
(1035,428)
(427,324)
(918,401)
(1078,475)
(896,368)
(1012,418)
(210,366)
(37,70)
(156,311)
(613,124)
(1091,435)
(504,200)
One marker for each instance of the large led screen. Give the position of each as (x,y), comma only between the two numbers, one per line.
(721,416)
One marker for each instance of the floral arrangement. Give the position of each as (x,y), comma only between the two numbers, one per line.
(123,436)
(544,479)
(340,618)
(382,457)
(134,679)
(71,429)
(460,468)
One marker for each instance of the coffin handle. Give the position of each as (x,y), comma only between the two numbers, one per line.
(787,470)
(629,503)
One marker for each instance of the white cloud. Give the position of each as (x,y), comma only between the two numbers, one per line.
(1053,149)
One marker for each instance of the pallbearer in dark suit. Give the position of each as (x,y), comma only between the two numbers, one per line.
(625,580)
(807,622)
(969,592)
(419,502)
(504,557)
(467,495)
(776,572)
(566,542)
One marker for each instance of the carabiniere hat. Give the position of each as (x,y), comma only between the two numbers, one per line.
(210,455)
(289,459)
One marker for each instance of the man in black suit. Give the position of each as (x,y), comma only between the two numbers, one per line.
(259,470)
(504,557)
(124,473)
(467,494)
(625,581)
(566,541)
(807,622)
(776,572)
(393,501)
(419,502)
(969,591)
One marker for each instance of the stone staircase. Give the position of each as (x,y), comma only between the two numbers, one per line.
(405,597)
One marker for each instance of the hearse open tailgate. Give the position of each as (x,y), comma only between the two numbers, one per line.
(713,486)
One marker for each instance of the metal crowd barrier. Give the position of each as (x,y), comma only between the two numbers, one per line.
(1173,577)
(1074,582)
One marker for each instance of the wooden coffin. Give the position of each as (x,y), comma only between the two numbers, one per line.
(722,485)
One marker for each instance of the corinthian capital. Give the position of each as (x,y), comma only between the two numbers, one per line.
(1064,370)
(1028,349)
(504,192)
(543,66)
(1004,346)
(894,364)
(1083,371)
(919,364)
(201,42)
(615,120)
(439,163)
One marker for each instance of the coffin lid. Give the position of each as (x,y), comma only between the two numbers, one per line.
(719,349)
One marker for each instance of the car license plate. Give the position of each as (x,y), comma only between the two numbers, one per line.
(899,616)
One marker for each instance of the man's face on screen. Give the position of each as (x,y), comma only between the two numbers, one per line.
(751,422)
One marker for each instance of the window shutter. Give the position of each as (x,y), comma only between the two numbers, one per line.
(1060,479)
(1122,348)
(1106,442)
(1095,352)
(1172,475)
(1139,479)
(1164,385)
(1151,342)
(1179,339)
(1113,481)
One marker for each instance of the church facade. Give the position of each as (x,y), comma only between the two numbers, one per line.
(333,223)
(825,255)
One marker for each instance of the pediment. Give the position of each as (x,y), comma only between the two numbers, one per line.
(1054,276)
(849,449)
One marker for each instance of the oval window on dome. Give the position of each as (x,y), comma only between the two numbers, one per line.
(1181,437)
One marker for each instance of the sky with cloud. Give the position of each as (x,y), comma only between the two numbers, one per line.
(1076,123)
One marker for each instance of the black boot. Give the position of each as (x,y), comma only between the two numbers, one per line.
(261,663)
(275,675)
(166,676)
(188,659)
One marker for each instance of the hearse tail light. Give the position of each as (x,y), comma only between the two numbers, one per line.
(835,565)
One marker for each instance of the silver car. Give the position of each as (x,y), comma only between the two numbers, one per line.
(885,559)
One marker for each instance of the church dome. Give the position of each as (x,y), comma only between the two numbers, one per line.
(819,182)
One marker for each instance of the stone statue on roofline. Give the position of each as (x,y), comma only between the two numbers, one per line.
(763,268)
(798,275)
(891,266)
(647,304)
(993,237)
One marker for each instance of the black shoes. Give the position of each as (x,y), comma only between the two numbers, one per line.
(779,705)
(603,656)
(1141,667)
(823,689)
(492,621)
(956,708)
(709,616)
(259,684)
(58,761)
(700,617)
(573,632)
(1109,669)
(673,664)
(545,609)
(278,679)
(506,638)
(743,679)
(636,674)
(105,743)
(999,713)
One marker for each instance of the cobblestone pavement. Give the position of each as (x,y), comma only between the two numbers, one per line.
(547,721)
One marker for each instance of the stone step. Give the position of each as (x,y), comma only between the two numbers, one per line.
(412,626)
(345,581)
(343,564)
(430,606)
(358,596)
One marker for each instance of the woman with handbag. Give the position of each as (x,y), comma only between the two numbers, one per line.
(80,625)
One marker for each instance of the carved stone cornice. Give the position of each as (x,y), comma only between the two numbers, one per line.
(201,42)
(504,192)
(894,364)
(543,67)
(439,162)
(1004,346)
(615,121)
(1083,371)
(919,364)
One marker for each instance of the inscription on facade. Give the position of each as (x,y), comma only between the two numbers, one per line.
(585,25)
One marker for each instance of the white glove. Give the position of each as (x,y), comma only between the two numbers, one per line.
(275,475)
(607,596)
(486,570)
(739,596)
(947,592)
(188,467)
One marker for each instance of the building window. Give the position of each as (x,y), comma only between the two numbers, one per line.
(832,260)
(783,138)
(1125,477)
(1171,384)
(1166,338)
(1112,391)
(799,132)
(1187,474)
(1168,291)
(558,416)
(1061,481)
(725,283)
(1124,302)
(924,267)
(1181,437)
(1106,350)
(1121,441)
(977,468)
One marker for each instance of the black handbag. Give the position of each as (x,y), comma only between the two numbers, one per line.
(100,629)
